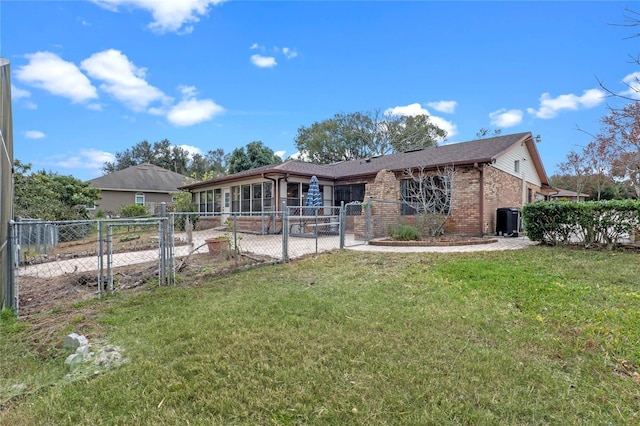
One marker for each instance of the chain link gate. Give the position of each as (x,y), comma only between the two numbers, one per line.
(356,223)
(54,260)
(311,229)
(108,260)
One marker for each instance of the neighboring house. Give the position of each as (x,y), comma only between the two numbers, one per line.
(492,173)
(566,195)
(145,184)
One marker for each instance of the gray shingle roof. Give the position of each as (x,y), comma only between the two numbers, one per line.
(476,151)
(143,177)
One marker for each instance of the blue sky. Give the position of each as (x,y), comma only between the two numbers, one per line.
(91,78)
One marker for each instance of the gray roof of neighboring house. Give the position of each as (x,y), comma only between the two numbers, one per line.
(143,177)
(477,151)
(566,193)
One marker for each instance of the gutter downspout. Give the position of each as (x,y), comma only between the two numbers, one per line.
(276,189)
(481,197)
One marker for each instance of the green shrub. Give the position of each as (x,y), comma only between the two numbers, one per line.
(405,233)
(133,210)
(588,223)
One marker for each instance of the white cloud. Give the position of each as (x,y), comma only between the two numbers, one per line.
(550,107)
(17,93)
(49,72)
(192,150)
(408,110)
(506,118)
(34,134)
(267,57)
(21,95)
(88,159)
(289,53)
(632,81)
(192,111)
(280,153)
(263,61)
(417,109)
(122,79)
(444,106)
(298,156)
(168,15)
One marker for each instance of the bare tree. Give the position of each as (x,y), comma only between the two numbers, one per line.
(428,193)
(598,159)
(576,165)
(620,136)
(632,81)
(487,133)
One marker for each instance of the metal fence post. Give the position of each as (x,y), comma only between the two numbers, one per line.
(316,227)
(285,232)
(170,248)
(100,260)
(110,259)
(161,242)
(11,292)
(342,220)
(235,239)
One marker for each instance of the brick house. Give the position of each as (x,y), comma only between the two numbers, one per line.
(491,173)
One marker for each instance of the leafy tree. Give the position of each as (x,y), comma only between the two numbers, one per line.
(255,154)
(359,135)
(50,196)
(326,142)
(175,158)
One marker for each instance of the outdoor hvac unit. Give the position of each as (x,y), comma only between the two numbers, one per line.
(508,221)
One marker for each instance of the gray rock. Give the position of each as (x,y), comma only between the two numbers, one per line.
(74,341)
(73,360)
(83,351)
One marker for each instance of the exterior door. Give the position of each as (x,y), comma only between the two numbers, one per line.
(226,200)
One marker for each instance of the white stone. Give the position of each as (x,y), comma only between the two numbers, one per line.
(83,351)
(74,341)
(73,360)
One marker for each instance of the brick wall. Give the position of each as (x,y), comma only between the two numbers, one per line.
(465,204)
(384,187)
(500,190)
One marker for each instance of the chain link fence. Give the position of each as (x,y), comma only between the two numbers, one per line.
(78,260)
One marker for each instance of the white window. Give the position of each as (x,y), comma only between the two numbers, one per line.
(516,166)
(140,199)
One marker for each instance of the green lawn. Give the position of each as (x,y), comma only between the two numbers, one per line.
(536,336)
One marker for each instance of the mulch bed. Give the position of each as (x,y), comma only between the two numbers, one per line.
(440,241)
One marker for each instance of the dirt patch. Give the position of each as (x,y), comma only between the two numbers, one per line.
(442,240)
(57,294)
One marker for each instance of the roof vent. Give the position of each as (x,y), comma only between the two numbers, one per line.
(368,160)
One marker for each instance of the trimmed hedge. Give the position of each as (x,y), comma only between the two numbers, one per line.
(588,222)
